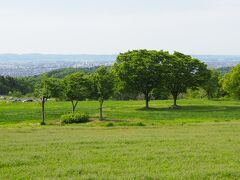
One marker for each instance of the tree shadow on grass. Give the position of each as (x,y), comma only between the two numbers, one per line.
(194,109)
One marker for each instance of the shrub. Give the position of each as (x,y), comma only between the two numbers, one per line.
(140,124)
(109,124)
(74,118)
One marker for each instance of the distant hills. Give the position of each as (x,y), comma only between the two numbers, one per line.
(61,73)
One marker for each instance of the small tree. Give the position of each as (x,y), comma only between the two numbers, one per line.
(48,88)
(140,71)
(103,82)
(231,82)
(212,86)
(76,88)
(183,72)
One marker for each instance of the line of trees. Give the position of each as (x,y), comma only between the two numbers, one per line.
(143,71)
(147,72)
(14,86)
(139,71)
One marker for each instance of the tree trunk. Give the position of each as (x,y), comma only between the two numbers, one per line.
(175,100)
(175,95)
(100,111)
(209,95)
(73,109)
(74,105)
(147,104)
(147,100)
(43,111)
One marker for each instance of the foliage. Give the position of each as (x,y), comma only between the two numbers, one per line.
(160,93)
(212,85)
(140,70)
(15,94)
(183,72)
(48,88)
(9,84)
(77,88)
(231,82)
(104,83)
(110,124)
(122,93)
(198,93)
(74,118)
(224,70)
(62,73)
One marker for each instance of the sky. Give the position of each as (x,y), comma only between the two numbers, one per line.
(114,26)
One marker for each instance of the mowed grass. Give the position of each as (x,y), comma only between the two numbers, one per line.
(199,141)
(125,112)
(190,151)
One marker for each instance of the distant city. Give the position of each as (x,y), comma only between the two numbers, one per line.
(34,64)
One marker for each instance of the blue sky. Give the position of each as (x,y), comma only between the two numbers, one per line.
(113,26)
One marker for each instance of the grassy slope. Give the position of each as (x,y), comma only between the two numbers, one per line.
(175,150)
(192,151)
(192,111)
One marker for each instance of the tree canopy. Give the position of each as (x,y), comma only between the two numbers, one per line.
(76,88)
(103,82)
(231,82)
(182,72)
(212,85)
(140,70)
(48,88)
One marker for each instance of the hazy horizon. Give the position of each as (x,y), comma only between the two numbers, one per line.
(110,27)
(39,57)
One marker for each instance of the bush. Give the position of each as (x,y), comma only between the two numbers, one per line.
(15,94)
(74,118)
(140,124)
(109,124)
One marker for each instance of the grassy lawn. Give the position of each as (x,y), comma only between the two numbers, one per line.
(191,151)
(199,141)
(125,112)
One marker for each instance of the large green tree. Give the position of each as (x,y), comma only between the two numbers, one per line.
(48,88)
(183,72)
(140,71)
(76,88)
(231,82)
(104,82)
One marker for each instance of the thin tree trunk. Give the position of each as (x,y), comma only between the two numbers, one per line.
(209,95)
(175,100)
(74,105)
(175,95)
(43,111)
(100,111)
(147,100)
(147,104)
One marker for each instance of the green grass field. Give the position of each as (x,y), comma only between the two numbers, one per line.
(199,141)
(125,112)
